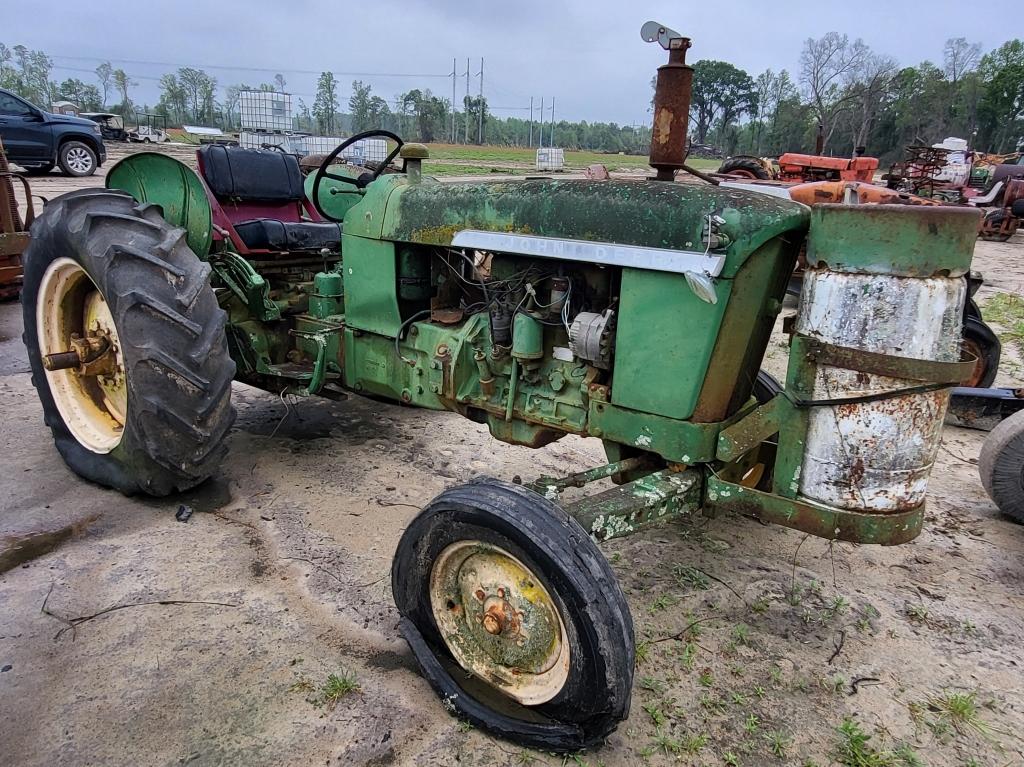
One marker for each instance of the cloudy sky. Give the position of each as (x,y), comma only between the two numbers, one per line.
(587,54)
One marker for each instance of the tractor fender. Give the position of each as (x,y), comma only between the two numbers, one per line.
(151,177)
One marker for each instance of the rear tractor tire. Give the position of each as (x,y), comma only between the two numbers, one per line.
(744,167)
(515,616)
(126,344)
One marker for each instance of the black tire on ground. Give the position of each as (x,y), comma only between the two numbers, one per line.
(598,627)
(76,158)
(40,171)
(983,343)
(171,333)
(1001,466)
(744,167)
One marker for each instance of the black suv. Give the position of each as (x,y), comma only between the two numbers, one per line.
(37,140)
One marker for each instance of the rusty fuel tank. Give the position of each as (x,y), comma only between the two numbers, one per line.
(882,304)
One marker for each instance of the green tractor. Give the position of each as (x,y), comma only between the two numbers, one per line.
(634,312)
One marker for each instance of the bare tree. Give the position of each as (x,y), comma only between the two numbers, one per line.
(872,85)
(960,57)
(122,83)
(827,67)
(105,74)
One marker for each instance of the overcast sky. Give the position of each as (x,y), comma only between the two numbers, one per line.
(587,54)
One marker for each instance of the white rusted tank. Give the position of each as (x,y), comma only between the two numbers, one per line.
(876,456)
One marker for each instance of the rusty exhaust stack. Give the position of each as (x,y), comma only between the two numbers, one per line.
(672,93)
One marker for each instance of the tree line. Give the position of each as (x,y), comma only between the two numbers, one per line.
(844,92)
(858,98)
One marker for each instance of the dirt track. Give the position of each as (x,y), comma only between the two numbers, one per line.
(294,540)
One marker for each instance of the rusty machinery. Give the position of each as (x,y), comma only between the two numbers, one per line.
(633,312)
(796,168)
(13,230)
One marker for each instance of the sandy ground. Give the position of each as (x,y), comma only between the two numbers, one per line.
(279,579)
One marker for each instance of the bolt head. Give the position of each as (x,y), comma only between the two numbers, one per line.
(492,625)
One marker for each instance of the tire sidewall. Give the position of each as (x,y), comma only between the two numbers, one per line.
(444,522)
(1001,466)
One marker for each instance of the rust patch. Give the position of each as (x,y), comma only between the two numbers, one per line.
(857,471)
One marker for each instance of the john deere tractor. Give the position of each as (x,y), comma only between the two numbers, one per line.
(633,312)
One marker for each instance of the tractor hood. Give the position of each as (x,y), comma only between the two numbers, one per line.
(648,214)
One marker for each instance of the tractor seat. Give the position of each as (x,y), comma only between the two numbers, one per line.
(263,195)
(250,175)
(271,234)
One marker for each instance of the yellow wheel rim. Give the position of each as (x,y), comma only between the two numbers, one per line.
(499,622)
(70,306)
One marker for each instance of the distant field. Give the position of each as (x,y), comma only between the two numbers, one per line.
(459,160)
(452,159)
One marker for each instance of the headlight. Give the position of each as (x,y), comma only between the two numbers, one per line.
(96,130)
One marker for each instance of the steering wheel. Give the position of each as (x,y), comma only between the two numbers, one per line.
(364,179)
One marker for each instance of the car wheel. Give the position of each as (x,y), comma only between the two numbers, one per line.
(76,159)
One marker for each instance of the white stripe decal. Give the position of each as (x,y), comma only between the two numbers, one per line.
(612,254)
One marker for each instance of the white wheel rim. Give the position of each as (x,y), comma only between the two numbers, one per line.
(78,160)
(499,622)
(94,408)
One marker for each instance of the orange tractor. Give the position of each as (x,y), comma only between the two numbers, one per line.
(800,168)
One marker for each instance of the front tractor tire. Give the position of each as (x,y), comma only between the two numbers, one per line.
(126,344)
(515,616)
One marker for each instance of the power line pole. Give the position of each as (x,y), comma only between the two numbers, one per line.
(531,123)
(551,125)
(454,71)
(480,106)
(541,121)
(465,105)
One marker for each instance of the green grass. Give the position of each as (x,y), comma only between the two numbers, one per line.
(337,687)
(959,709)
(449,160)
(1007,310)
(778,742)
(432,168)
(853,749)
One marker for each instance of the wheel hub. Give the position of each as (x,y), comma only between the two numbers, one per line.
(79,160)
(81,354)
(499,622)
